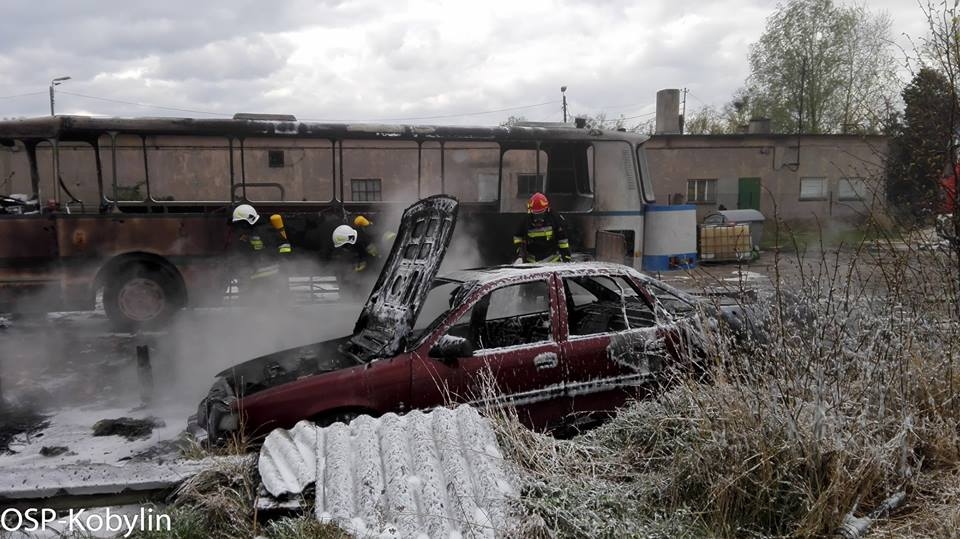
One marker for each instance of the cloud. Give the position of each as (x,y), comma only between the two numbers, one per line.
(357,60)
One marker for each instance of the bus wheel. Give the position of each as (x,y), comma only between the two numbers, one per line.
(140,297)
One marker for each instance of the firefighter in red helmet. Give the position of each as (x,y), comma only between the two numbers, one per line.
(542,237)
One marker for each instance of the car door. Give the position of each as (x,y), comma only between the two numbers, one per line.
(516,355)
(614,348)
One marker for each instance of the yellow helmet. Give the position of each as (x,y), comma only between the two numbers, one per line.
(360,221)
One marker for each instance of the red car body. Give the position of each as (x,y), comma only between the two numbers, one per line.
(552,340)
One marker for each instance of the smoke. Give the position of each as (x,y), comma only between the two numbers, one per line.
(64,360)
(464,250)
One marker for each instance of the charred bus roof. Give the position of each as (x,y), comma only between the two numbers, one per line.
(86,128)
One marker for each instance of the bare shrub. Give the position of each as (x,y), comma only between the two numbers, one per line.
(847,396)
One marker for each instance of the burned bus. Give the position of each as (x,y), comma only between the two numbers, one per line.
(138,208)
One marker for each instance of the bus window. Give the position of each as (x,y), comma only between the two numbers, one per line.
(184,168)
(130,172)
(375,170)
(616,177)
(570,175)
(79,190)
(287,170)
(15,170)
(430,169)
(522,178)
(470,170)
(645,181)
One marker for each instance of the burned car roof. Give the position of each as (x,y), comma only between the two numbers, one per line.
(482,276)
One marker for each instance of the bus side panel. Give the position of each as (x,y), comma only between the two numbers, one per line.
(29,267)
(193,244)
(618,204)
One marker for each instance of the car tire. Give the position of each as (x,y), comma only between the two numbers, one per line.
(141,296)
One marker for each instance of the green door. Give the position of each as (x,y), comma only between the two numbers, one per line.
(748,194)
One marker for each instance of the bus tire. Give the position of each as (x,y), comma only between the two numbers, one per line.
(141,296)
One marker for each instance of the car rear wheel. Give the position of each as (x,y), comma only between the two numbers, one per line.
(141,296)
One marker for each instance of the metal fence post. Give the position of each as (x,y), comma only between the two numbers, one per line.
(145,374)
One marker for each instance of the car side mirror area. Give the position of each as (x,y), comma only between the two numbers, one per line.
(449,348)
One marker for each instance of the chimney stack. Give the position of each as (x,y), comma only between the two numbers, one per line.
(668,112)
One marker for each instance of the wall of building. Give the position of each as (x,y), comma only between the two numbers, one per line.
(837,162)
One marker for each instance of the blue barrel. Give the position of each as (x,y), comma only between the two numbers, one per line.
(669,237)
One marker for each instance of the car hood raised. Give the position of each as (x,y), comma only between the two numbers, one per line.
(387,318)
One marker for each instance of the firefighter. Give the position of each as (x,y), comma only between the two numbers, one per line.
(352,250)
(543,236)
(259,247)
(376,246)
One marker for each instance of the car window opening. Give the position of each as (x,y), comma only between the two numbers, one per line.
(439,302)
(515,315)
(597,305)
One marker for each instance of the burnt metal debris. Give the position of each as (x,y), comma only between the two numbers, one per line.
(127,427)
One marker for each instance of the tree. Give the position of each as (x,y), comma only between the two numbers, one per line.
(822,68)
(920,150)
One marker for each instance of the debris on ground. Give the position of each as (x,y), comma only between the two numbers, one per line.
(4,322)
(16,420)
(128,427)
(161,451)
(54,450)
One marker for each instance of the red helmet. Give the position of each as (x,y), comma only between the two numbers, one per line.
(538,203)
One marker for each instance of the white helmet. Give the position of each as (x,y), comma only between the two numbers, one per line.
(344,234)
(245,212)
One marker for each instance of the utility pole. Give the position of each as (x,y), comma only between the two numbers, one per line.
(683,110)
(563,93)
(55,82)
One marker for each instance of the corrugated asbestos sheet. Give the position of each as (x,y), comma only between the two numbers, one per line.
(435,474)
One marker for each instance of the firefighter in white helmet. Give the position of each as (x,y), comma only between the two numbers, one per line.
(259,245)
(351,249)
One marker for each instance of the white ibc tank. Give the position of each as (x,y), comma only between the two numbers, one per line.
(669,237)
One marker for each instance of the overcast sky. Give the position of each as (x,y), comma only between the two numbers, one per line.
(404,61)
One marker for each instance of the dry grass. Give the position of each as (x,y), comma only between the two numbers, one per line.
(849,396)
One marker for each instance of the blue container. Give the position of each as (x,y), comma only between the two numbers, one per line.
(669,237)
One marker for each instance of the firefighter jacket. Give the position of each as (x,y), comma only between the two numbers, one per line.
(542,238)
(362,254)
(259,249)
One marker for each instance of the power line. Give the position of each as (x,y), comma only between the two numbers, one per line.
(147,105)
(21,95)
(626,106)
(445,115)
(638,116)
(698,99)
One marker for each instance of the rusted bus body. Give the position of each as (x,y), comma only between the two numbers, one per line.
(159,190)
(58,261)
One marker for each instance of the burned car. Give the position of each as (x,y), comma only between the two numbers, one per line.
(550,340)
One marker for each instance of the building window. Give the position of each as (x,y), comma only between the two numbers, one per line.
(365,190)
(702,191)
(813,188)
(275,158)
(528,184)
(850,189)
